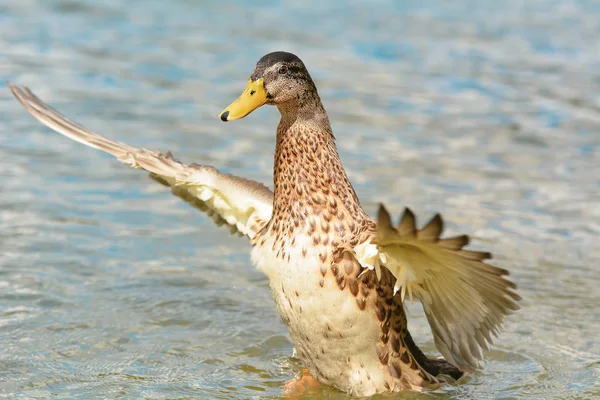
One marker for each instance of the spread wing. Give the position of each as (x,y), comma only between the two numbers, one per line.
(464,298)
(244,205)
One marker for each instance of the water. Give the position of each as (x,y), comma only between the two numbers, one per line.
(110,287)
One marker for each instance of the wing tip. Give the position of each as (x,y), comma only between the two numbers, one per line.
(384,219)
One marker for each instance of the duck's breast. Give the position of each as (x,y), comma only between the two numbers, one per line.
(332,335)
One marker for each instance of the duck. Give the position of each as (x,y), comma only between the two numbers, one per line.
(340,279)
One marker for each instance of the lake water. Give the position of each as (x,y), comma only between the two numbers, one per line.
(486,111)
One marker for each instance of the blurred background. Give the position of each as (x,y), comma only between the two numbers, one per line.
(485,111)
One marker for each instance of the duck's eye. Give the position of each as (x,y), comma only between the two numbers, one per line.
(283,69)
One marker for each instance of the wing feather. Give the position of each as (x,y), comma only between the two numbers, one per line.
(465,299)
(244,205)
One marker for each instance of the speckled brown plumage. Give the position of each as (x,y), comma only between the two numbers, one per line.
(406,366)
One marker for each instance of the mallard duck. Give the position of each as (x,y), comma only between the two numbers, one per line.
(339,278)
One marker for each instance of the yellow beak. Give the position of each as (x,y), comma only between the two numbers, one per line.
(252,97)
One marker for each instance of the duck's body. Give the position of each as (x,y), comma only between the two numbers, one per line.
(339,278)
(328,310)
(296,252)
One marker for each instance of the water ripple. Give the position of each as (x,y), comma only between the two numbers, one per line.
(111,288)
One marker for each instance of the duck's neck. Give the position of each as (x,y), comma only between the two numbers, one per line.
(309,177)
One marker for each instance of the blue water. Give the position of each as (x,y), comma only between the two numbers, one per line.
(488,112)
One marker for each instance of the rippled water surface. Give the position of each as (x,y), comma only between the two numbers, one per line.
(486,111)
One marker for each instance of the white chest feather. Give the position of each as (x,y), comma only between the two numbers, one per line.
(332,336)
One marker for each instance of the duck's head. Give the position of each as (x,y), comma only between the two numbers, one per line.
(279,78)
